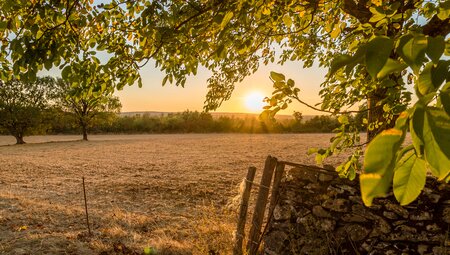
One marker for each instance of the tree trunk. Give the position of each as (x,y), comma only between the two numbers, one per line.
(85,134)
(19,139)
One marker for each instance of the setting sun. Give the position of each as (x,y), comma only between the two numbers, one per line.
(254,101)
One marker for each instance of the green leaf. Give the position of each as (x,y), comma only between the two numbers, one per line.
(287,20)
(65,72)
(226,19)
(379,162)
(436,136)
(377,17)
(312,151)
(391,66)
(416,128)
(432,77)
(445,101)
(343,119)
(48,64)
(377,54)
(402,120)
(290,83)
(3,25)
(444,10)
(436,47)
(165,80)
(339,62)
(412,50)
(277,76)
(409,178)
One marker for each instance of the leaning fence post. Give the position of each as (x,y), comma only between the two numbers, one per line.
(260,207)
(237,250)
(276,186)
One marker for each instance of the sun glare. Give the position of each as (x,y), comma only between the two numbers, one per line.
(254,101)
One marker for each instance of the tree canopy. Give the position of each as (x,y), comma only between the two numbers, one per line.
(376,51)
(22,105)
(84,106)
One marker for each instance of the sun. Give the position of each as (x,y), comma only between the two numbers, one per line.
(254,101)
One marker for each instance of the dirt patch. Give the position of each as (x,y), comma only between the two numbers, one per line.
(165,191)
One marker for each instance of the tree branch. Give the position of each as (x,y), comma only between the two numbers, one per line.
(437,27)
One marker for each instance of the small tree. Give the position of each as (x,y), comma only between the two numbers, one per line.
(22,105)
(85,107)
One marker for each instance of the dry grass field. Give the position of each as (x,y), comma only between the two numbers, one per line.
(166,191)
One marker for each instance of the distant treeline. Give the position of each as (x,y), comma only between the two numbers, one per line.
(186,122)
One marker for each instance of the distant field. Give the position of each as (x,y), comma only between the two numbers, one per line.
(166,191)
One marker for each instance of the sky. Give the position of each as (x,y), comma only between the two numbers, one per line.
(170,98)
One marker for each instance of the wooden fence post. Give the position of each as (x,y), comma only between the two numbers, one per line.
(260,207)
(243,208)
(276,186)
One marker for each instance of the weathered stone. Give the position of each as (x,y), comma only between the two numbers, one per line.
(375,206)
(391,252)
(281,225)
(313,248)
(275,240)
(334,214)
(367,247)
(347,188)
(405,228)
(330,168)
(390,215)
(397,209)
(434,198)
(308,222)
(440,250)
(399,222)
(19,251)
(302,211)
(337,205)
(318,211)
(353,218)
(422,249)
(334,190)
(304,174)
(424,215)
(433,228)
(356,199)
(326,225)
(282,212)
(446,215)
(380,227)
(427,191)
(354,232)
(313,186)
(325,177)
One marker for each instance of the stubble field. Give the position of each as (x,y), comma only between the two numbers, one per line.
(171,192)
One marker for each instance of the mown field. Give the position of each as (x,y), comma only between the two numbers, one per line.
(171,192)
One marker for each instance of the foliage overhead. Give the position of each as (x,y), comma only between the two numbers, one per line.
(375,51)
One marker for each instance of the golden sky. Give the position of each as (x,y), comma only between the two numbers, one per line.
(153,97)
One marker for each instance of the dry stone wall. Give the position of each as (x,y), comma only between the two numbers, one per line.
(320,213)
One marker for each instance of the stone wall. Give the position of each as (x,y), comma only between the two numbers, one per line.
(320,213)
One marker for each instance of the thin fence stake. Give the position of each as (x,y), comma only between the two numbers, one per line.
(260,207)
(85,207)
(243,208)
